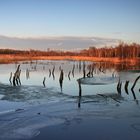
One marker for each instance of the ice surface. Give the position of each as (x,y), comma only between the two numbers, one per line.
(25,109)
(99,80)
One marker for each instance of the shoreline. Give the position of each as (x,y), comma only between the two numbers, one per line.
(14,58)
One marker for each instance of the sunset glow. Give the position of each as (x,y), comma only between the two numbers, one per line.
(39,19)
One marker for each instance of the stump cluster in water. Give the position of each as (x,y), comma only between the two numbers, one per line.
(16,77)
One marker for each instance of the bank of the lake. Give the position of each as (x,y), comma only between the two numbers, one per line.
(14,58)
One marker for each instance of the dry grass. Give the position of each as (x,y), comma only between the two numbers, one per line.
(15,58)
(95,59)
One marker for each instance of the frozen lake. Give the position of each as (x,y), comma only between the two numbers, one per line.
(22,106)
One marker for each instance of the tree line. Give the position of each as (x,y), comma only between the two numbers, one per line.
(122,50)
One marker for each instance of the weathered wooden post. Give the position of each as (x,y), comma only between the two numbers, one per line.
(61,79)
(88,74)
(135,82)
(73,70)
(133,93)
(49,73)
(132,89)
(126,87)
(79,66)
(119,85)
(69,75)
(80,93)
(79,102)
(53,73)
(80,89)
(44,81)
(84,71)
(19,72)
(27,74)
(53,70)
(92,70)
(10,78)
(16,77)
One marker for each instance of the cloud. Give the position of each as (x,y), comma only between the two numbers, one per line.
(64,42)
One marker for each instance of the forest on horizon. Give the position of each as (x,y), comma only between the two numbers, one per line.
(122,50)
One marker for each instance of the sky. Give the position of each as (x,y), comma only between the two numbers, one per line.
(68,24)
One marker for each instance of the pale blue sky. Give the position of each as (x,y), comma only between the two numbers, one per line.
(117,19)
